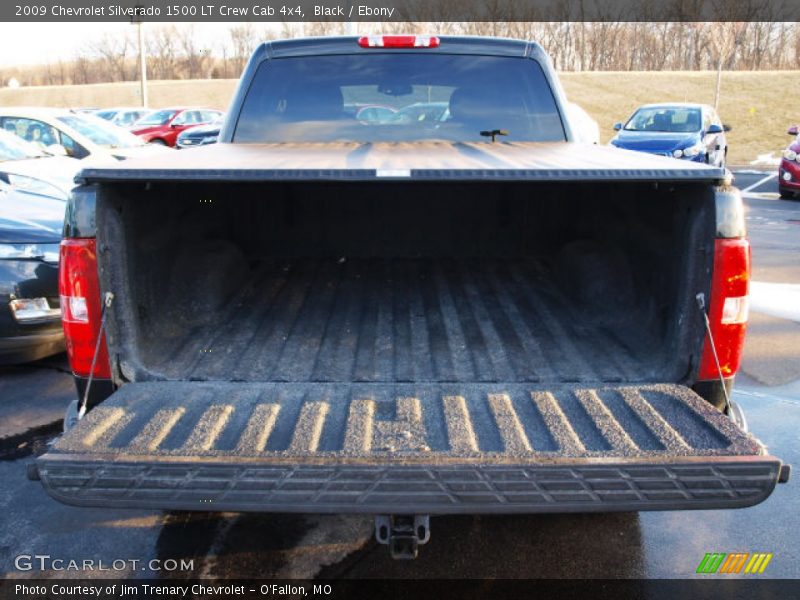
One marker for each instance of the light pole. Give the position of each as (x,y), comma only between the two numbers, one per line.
(138,21)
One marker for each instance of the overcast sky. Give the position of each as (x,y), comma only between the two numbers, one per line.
(38,43)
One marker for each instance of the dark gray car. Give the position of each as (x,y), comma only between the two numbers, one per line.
(30,314)
(200,135)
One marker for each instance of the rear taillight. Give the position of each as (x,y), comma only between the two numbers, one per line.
(728,308)
(81,307)
(398,41)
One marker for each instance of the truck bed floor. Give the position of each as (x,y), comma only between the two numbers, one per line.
(404,320)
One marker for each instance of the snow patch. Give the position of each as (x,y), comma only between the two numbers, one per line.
(767,159)
(780,300)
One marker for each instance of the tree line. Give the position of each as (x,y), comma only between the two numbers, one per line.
(178,52)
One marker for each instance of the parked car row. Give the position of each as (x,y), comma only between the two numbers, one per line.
(695,132)
(166,126)
(163,126)
(60,131)
(121,116)
(42,149)
(41,152)
(110,133)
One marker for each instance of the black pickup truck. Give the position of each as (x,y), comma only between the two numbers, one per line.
(398,287)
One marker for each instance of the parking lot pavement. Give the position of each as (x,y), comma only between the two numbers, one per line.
(220,545)
(771,355)
(774,229)
(757,183)
(34,396)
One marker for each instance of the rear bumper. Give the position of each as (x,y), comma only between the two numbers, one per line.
(25,348)
(465,488)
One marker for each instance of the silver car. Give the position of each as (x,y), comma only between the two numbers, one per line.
(26,166)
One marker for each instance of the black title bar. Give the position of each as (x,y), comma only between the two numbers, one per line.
(399,10)
(396,589)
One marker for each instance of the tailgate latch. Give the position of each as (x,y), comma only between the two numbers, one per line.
(404,534)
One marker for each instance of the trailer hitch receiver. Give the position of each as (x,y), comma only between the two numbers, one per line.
(404,534)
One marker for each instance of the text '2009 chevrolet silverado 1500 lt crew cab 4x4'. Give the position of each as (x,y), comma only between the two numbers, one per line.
(450,308)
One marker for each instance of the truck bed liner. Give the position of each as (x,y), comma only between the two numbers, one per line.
(408,448)
(404,320)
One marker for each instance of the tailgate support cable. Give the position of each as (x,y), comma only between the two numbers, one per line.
(701,303)
(107,300)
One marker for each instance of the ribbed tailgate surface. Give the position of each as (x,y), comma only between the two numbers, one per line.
(402,448)
(404,422)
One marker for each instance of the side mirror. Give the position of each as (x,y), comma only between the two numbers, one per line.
(56,150)
(793,130)
(174,125)
(714,128)
(617,126)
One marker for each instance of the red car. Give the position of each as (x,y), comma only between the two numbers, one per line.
(789,171)
(163,126)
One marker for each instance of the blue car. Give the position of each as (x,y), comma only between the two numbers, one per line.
(681,130)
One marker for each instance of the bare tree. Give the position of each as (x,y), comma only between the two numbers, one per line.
(162,51)
(723,37)
(82,70)
(195,56)
(244,39)
(114,51)
(796,47)
(612,44)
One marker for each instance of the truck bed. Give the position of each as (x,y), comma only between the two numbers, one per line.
(406,320)
(404,282)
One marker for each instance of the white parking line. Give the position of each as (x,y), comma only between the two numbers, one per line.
(761,195)
(759,182)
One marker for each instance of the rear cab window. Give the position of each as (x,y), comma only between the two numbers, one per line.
(398,97)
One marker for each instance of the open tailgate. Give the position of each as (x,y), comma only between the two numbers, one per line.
(406,448)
